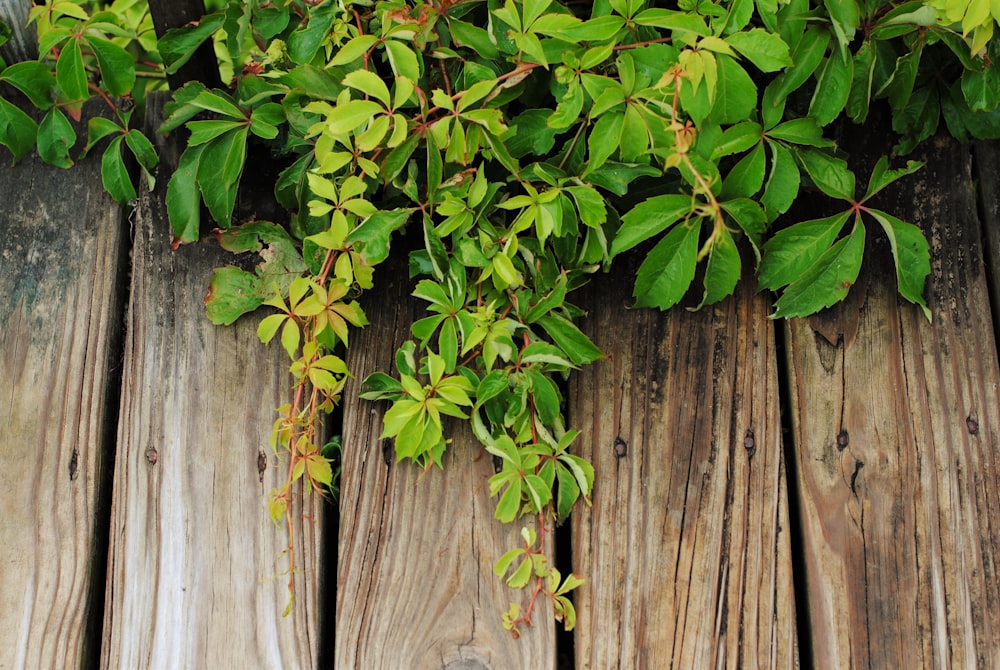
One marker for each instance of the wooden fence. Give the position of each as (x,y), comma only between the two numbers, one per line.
(821,492)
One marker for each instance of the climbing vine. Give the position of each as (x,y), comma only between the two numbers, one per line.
(526,144)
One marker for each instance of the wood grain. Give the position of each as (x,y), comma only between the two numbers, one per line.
(896,429)
(415,587)
(61,266)
(686,547)
(195,570)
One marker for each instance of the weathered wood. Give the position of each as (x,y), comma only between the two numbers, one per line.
(896,432)
(195,570)
(987,177)
(686,547)
(415,587)
(203,66)
(62,260)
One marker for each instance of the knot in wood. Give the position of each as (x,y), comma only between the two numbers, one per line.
(843,439)
(621,448)
(152,455)
(750,441)
(972,425)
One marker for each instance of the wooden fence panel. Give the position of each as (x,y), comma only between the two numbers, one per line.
(896,432)
(195,560)
(415,586)
(686,547)
(61,266)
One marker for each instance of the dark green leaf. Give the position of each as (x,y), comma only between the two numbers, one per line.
(474,37)
(142,149)
(747,176)
(183,200)
(56,138)
(114,176)
(982,88)
(70,75)
(735,92)
(832,89)
(492,385)
(650,218)
(722,270)
(98,128)
(665,275)
(305,41)
(882,176)
(34,79)
(749,217)
(545,396)
(577,346)
(911,253)
(736,139)
(829,173)
(861,83)
(782,183)
(117,66)
(793,250)
(844,19)
(605,138)
(178,44)
(616,177)
(827,280)
(803,131)
(806,57)
(529,132)
(17,130)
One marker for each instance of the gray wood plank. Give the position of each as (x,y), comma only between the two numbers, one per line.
(686,547)
(896,434)
(62,258)
(415,587)
(195,569)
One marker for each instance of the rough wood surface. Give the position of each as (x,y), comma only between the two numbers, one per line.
(195,571)
(896,432)
(686,547)
(987,178)
(61,262)
(415,587)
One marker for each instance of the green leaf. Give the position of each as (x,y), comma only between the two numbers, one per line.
(219,172)
(18,131)
(206,131)
(803,131)
(231,294)
(34,79)
(827,280)
(55,138)
(114,176)
(844,19)
(605,138)
(530,133)
(806,57)
(911,253)
(98,128)
(680,22)
(578,347)
(142,149)
(793,250)
(982,88)
(178,44)
(736,139)
(767,51)
(70,75)
(832,90)
(473,37)
(183,199)
(882,176)
(735,92)
(722,270)
(117,66)
(375,232)
(665,275)
(829,173)
(747,176)
(859,98)
(751,219)
(350,115)
(370,84)
(782,183)
(305,41)
(650,218)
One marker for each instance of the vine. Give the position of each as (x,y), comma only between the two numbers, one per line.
(527,143)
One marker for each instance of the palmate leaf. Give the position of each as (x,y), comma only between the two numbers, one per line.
(793,250)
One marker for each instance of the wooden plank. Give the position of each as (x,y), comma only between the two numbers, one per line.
(987,174)
(896,434)
(415,587)
(194,574)
(62,262)
(686,547)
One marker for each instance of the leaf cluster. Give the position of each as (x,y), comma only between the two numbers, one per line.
(523,145)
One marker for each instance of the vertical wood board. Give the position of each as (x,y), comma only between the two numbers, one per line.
(61,264)
(415,587)
(686,547)
(195,573)
(896,429)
